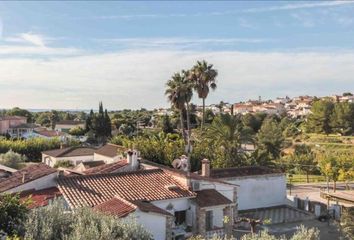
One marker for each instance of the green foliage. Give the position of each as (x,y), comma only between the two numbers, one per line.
(347,223)
(77,131)
(12,214)
(226,133)
(319,120)
(342,118)
(99,124)
(64,164)
(31,148)
(166,124)
(12,159)
(269,142)
(20,112)
(55,222)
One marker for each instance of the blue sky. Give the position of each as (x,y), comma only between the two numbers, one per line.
(74,54)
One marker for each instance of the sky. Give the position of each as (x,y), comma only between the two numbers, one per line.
(71,55)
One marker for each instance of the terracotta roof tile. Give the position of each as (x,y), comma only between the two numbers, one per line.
(106,168)
(242,171)
(27,174)
(116,206)
(110,150)
(91,190)
(40,198)
(70,152)
(120,207)
(211,197)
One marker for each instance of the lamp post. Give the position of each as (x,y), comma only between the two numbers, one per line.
(290,176)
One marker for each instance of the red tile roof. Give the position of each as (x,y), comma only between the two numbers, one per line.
(242,172)
(50,133)
(106,168)
(211,197)
(116,206)
(40,198)
(25,175)
(120,207)
(110,150)
(70,152)
(91,190)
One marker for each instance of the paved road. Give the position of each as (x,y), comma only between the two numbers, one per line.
(312,190)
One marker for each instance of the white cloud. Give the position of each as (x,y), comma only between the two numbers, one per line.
(34,39)
(184,43)
(38,51)
(135,79)
(299,6)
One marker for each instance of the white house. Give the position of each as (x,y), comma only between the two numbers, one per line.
(34,177)
(259,187)
(75,155)
(109,153)
(167,202)
(67,125)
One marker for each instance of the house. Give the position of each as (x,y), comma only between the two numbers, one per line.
(254,185)
(15,126)
(109,153)
(167,202)
(34,177)
(75,155)
(44,133)
(242,108)
(67,125)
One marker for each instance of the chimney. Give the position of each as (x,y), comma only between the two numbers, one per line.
(24,177)
(205,167)
(132,158)
(61,173)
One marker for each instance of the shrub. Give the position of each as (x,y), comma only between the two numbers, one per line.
(12,159)
(64,164)
(55,222)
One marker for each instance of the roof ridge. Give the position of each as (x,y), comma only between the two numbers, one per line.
(116,173)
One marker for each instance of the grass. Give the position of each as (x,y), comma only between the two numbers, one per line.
(301,178)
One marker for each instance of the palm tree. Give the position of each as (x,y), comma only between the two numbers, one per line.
(227,131)
(203,76)
(179,93)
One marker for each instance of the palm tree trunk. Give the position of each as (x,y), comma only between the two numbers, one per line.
(203,120)
(182,126)
(188,137)
(334,186)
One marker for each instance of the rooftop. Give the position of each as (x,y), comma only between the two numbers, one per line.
(106,168)
(242,172)
(25,175)
(121,207)
(50,133)
(40,198)
(110,150)
(211,197)
(70,152)
(150,185)
(12,118)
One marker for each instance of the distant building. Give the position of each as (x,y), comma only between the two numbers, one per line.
(66,125)
(15,126)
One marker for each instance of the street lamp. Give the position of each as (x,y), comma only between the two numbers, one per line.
(290,176)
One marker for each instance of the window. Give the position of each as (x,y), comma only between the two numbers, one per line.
(180,217)
(209,220)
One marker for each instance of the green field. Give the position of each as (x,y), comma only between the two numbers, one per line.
(301,178)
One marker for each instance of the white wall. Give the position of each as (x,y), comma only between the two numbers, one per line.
(154,223)
(107,160)
(75,160)
(38,184)
(179,204)
(224,189)
(260,191)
